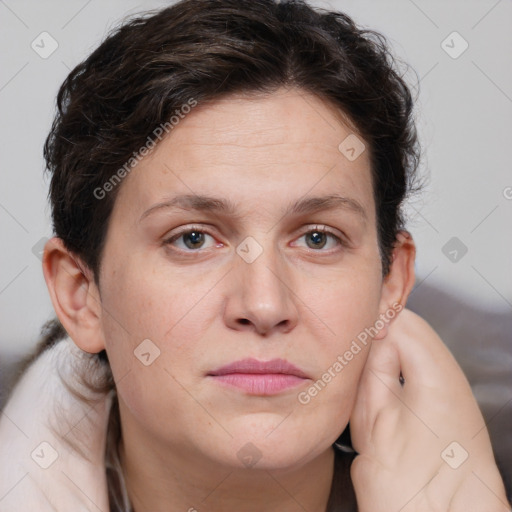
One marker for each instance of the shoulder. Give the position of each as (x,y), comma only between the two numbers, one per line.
(51,437)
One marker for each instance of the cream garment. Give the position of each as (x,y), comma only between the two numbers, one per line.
(39,468)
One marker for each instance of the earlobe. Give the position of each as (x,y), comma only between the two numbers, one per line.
(400,280)
(74,295)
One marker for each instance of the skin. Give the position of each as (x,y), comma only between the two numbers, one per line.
(206,307)
(424,446)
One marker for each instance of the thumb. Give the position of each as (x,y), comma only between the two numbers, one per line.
(379,389)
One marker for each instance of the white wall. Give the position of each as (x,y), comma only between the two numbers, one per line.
(464,115)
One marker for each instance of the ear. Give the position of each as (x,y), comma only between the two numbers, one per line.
(74,294)
(398,283)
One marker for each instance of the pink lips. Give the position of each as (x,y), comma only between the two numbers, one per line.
(260,377)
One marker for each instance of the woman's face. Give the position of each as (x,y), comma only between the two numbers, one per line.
(194,285)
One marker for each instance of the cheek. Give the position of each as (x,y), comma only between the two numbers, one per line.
(348,310)
(348,306)
(156,318)
(330,399)
(147,300)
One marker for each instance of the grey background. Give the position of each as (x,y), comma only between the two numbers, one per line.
(464,114)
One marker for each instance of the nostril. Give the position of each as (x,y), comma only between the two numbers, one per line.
(244,321)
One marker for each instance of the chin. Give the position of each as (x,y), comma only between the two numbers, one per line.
(275,451)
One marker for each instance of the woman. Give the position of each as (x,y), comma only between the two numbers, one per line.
(230,266)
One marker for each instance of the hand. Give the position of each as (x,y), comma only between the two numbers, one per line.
(39,470)
(423,446)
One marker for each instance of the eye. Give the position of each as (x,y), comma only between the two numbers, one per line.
(319,237)
(190,240)
(194,239)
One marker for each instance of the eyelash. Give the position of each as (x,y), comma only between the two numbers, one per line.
(311,229)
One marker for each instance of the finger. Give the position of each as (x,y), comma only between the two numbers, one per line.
(379,391)
(435,385)
(425,361)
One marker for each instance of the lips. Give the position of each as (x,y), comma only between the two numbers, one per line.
(259,377)
(253,366)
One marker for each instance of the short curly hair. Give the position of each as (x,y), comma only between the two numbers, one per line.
(153,64)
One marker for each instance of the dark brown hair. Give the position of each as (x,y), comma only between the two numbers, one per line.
(152,65)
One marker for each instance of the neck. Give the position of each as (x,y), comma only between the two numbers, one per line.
(176,479)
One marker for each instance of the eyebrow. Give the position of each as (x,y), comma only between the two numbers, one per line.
(303,206)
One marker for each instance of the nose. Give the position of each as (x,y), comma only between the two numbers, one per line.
(261,297)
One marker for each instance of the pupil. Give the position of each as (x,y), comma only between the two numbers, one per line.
(317,238)
(195,238)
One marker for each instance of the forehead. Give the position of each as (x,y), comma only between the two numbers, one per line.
(286,119)
(255,150)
